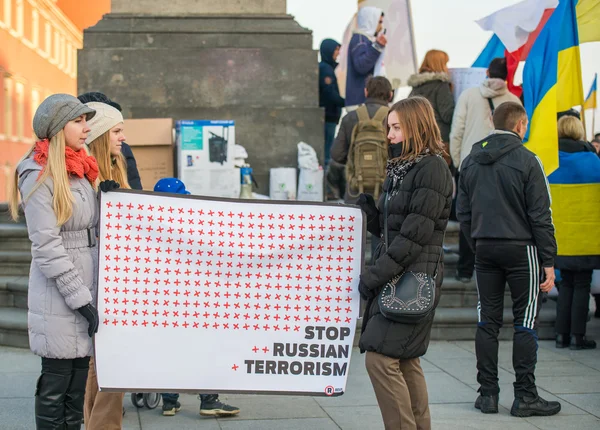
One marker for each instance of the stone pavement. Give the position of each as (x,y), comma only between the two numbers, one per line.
(572,377)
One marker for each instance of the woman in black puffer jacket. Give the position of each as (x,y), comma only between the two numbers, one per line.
(419,186)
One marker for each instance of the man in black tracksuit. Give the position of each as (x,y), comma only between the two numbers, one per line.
(504,209)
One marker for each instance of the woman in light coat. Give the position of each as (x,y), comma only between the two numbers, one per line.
(56,180)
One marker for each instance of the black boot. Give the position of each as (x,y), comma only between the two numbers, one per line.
(597,298)
(74,399)
(534,406)
(50,401)
(580,342)
(563,340)
(487,404)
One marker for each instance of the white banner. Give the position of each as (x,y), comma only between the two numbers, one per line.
(226,296)
(465,78)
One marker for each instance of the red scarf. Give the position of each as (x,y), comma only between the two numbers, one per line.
(78,163)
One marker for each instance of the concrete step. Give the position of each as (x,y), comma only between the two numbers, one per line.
(14,237)
(13,327)
(15,289)
(15,263)
(461,323)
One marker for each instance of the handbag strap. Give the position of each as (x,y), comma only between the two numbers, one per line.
(386,233)
(491,103)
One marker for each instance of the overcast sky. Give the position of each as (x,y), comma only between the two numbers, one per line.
(439,24)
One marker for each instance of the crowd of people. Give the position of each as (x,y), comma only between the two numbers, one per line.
(411,167)
(490,182)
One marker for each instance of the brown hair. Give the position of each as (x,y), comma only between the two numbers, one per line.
(417,122)
(508,115)
(571,128)
(109,166)
(378,87)
(435,61)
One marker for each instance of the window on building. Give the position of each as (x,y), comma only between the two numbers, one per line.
(56,55)
(35,101)
(20,99)
(35,27)
(8,107)
(48,38)
(7,13)
(20,17)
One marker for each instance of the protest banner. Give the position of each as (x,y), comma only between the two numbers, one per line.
(464,78)
(205,295)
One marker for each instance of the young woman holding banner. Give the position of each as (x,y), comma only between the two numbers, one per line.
(418,189)
(56,180)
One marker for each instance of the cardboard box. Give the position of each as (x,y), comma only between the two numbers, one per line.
(151,141)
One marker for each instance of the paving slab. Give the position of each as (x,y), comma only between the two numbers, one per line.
(356,417)
(476,424)
(17,414)
(569,384)
(558,422)
(289,424)
(18,385)
(465,369)
(587,402)
(443,388)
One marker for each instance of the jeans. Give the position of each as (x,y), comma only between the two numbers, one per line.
(329,138)
(573,302)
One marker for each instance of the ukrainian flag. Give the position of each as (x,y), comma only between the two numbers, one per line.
(588,20)
(552,81)
(590,101)
(575,190)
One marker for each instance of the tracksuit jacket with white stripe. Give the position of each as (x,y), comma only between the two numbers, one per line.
(504,195)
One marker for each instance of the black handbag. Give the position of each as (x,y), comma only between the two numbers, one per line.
(409,297)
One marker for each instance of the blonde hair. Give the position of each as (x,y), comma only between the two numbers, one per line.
(435,61)
(417,121)
(110,167)
(571,128)
(56,168)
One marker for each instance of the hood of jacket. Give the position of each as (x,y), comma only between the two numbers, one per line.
(422,78)
(571,145)
(493,87)
(26,166)
(328,47)
(368,20)
(495,146)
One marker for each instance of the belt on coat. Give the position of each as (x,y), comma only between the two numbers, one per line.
(79,239)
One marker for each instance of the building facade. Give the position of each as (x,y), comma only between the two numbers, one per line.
(39,40)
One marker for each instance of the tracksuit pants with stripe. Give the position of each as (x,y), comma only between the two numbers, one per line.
(498,263)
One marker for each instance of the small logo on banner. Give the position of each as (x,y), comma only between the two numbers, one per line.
(329,390)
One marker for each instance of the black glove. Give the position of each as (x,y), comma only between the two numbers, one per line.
(367,204)
(109,185)
(365,292)
(90,313)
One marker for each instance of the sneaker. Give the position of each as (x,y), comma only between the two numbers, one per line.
(212,406)
(534,406)
(580,342)
(170,409)
(487,404)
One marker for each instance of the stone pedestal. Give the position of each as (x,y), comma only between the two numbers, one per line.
(244,60)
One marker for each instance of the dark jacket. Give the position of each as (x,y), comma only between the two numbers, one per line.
(504,195)
(362,57)
(133,176)
(587,170)
(417,219)
(435,87)
(341,145)
(329,93)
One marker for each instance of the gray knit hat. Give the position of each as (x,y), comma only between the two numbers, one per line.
(55,112)
(106,118)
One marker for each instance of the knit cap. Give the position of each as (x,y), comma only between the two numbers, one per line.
(106,118)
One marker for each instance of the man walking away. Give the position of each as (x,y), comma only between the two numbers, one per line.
(504,210)
(472,121)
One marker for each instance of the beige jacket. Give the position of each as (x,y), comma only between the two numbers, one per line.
(472,119)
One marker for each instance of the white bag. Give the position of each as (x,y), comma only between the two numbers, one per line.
(310,185)
(307,157)
(282,183)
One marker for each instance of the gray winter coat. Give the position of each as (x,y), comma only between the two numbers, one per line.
(64,268)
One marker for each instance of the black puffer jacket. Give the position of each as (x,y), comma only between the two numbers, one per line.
(435,87)
(133,176)
(417,219)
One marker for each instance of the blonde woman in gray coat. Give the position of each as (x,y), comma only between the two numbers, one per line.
(56,181)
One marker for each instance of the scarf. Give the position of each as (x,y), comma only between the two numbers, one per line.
(78,163)
(397,168)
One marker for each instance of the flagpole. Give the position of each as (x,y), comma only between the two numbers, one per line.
(594,109)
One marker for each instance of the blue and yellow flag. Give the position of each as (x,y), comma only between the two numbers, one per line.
(588,20)
(575,189)
(552,81)
(590,101)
